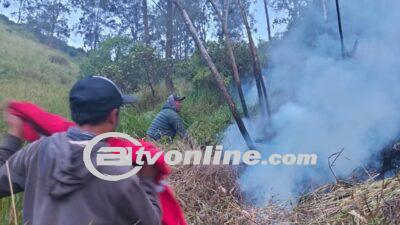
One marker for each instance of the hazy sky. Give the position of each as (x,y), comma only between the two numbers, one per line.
(261,23)
(257,10)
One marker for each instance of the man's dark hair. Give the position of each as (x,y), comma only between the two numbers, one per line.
(94,118)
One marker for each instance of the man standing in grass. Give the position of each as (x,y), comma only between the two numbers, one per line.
(58,188)
(168,123)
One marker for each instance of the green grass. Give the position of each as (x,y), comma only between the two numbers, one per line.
(26,59)
(206,114)
(33,72)
(203,113)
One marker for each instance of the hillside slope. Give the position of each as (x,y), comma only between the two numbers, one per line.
(23,56)
(31,71)
(27,67)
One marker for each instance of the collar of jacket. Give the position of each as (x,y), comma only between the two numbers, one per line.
(76,134)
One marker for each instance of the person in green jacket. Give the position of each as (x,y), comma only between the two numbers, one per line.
(168,122)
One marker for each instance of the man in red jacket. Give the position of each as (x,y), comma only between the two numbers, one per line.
(58,188)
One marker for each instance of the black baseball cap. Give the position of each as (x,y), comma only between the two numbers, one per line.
(94,94)
(179,98)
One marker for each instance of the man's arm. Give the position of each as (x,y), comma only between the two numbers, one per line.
(141,201)
(12,142)
(177,122)
(18,163)
(179,126)
(15,171)
(10,145)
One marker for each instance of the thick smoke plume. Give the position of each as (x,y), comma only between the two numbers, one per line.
(323,103)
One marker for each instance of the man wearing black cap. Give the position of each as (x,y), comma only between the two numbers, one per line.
(168,123)
(58,188)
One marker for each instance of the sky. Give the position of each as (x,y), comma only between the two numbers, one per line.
(260,20)
(257,10)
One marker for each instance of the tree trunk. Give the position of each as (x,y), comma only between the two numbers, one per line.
(96,36)
(168,47)
(324,10)
(21,5)
(146,39)
(145,23)
(186,43)
(267,16)
(150,83)
(261,89)
(224,21)
(148,72)
(136,25)
(340,28)
(96,32)
(216,75)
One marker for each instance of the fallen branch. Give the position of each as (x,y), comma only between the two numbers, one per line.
(331,164)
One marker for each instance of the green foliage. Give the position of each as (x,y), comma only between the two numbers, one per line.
(262,52)
(206,115)
(23,31)
(133,66)
(294,11)
(197,72)
(6,216)
(201,76)
(49,18)
(129,65)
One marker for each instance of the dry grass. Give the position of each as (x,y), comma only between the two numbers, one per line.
(13,205)
(210,195)
(371,202)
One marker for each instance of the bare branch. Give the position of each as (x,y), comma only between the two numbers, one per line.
(331,164)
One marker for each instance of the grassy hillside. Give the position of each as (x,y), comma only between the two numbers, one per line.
(32,71)
(22,57)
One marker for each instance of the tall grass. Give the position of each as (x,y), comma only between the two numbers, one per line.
(26,59)
(33,72)
(203,112)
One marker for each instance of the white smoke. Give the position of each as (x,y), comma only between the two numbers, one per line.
(322,103)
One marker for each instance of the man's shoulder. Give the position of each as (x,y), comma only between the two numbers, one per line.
(53,137)
(169,112)
(168,109)
(56,138)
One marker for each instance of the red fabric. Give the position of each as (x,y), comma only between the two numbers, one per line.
(38,122)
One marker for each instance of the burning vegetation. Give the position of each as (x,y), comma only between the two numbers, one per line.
(212,195)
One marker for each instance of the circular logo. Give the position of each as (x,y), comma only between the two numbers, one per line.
(89,148)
